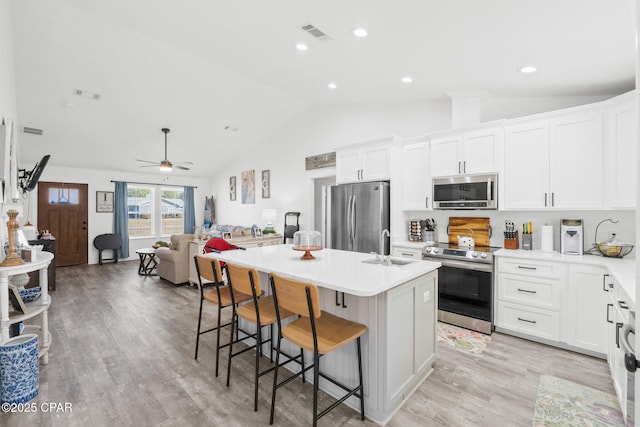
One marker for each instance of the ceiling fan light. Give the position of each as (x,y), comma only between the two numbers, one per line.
(165,168)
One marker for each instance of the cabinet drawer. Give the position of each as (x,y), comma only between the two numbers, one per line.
(529,320)
(531,267)
(414,253)
(533,291)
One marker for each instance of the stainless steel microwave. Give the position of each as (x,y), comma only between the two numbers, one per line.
(466,192)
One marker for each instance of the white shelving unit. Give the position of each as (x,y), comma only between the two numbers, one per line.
(35,308)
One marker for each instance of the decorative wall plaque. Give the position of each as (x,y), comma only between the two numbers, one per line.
(326,160)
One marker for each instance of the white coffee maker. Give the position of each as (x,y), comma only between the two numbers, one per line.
(571,236)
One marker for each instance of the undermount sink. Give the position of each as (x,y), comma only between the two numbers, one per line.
(394,261)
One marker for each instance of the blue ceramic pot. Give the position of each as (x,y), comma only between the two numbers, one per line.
(19,369)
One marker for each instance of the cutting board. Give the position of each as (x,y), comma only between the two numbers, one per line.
(461,226)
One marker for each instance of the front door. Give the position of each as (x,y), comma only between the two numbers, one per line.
(62,209)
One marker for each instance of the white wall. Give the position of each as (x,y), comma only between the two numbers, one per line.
(97,180)
(322,129)
(625,229)
(8,106)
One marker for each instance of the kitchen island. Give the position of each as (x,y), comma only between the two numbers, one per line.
(397,303)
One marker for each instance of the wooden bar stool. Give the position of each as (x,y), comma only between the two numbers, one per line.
(210,270)
(316,331)
(245,281)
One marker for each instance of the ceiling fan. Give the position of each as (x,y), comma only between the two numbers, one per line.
(165,165)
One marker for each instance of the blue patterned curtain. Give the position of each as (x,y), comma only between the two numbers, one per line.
(121,217)
(189,211)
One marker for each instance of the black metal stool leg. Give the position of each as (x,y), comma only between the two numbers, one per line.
(198,334)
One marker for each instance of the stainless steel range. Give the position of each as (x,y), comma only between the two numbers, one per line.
(465,285)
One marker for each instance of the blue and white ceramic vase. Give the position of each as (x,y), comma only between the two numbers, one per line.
(19,369)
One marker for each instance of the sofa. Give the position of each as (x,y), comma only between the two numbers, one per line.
(174,261)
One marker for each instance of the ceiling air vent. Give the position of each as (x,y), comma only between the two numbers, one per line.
(315,32)
(33,131)
(85,94)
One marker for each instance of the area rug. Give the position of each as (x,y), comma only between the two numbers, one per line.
(565,403)
(462,339)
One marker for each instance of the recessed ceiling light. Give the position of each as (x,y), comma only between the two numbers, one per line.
(360,32)
(332,86)
(406,79)
(527,69)
(302,47)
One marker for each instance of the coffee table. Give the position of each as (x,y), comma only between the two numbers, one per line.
(148,261)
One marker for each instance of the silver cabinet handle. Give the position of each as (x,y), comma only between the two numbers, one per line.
(545,200)
(527,291)
(526,320)
(553,200)
(604,282)
(426,202)
(522,267)
(464,166)
(407,254)
(459,167)
(608,320)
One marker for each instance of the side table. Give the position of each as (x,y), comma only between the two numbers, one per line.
(148,261)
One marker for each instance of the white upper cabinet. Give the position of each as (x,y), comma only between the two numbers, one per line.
(476,151)
(555,162)
(416,179)
(622,133)
(365,162)
(577,161)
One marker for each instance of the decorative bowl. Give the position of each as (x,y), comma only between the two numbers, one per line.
(31,294)
(614,250)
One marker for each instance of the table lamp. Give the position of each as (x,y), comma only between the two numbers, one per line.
(269,215)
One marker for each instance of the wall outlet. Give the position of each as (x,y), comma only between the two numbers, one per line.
(427,296)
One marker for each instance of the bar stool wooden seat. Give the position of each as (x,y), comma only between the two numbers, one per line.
(220,295)
(315,331)
(261,312)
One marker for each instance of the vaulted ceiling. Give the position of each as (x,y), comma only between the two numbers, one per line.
(225,75)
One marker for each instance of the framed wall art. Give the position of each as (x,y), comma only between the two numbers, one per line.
(266,184)
(104,201)
(232,188)
(248,187)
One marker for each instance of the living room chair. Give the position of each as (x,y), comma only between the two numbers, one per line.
(210,270)
(315,331)
(174,261)
(260,311)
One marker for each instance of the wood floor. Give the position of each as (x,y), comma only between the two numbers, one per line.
(122,355)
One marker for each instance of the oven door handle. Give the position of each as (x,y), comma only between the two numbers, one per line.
(475,266)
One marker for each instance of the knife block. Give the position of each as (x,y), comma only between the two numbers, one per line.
(511,243)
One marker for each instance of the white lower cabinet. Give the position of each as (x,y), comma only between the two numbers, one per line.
(617,316)
(561,303)
(528,294)
(583,323)
(411,312)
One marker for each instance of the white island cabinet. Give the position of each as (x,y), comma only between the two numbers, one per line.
(35,308)
(397,303)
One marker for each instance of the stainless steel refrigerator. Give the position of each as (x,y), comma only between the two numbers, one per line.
(356,216)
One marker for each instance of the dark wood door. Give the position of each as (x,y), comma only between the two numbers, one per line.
(63,210)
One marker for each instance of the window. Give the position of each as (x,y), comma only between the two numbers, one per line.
(63,196)
(172,208)
(140,209)
(155,211)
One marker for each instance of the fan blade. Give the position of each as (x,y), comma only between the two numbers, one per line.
(147,161)
(155,165)
(181,167)
(183,163)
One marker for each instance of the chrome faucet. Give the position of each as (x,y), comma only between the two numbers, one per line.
(385,233)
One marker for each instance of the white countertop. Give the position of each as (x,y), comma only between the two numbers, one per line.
(333,269)
(623,269)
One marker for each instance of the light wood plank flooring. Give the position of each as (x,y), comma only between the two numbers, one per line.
(122,355)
